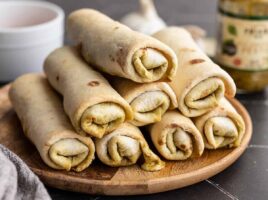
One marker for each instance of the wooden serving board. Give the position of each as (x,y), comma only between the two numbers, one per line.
(100,179)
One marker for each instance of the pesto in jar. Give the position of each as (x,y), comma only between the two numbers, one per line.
(242,48)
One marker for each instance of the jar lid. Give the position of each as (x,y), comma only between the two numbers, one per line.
(247,9)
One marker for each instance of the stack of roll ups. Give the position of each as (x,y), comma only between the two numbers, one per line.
(95,95)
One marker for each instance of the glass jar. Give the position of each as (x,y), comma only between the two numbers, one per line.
(242,48)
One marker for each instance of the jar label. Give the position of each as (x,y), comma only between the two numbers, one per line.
(243,43)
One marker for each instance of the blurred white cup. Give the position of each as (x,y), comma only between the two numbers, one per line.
(29,31)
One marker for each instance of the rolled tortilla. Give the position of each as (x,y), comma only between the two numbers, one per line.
(221,127)
(199,83)
(124,146)
(176,137)
(44,122)
(117,50)
(92,105)
(149,101)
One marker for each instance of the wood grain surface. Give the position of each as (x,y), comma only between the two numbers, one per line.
(100,179)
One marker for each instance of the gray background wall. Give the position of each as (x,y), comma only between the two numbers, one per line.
(174,12)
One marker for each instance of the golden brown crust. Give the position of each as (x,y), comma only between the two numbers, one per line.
(113,48)
(176,137)
(44,122)
(221,127)
(85,91)
(196,74)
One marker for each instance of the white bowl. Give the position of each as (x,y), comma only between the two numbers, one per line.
(29,31)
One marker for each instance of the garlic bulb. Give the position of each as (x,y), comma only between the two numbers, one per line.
(146,20)
(198,34)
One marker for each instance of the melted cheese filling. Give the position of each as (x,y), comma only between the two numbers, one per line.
(68,153)
(150,64)
(102,118)
(149,107)
(220,131)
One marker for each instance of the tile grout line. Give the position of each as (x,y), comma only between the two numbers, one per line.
(222,190)
(254,102)
(258,146)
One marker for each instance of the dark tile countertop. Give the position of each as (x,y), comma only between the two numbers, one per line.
(246,179)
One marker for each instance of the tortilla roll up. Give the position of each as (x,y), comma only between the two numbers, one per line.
(199,84)
(92,105)
(124,146)
(44,122)
(221,127)
(176,137)
(114,48)
(149,101)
